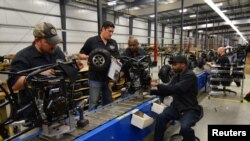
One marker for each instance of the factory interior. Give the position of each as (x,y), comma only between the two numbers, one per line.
(124,70)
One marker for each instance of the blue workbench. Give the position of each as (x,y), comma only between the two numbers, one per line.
(120,129)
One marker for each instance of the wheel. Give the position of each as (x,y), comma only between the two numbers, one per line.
(164,73)
(99,59)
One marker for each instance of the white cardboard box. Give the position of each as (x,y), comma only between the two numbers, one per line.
(141,120)
(114,69)
(158,107)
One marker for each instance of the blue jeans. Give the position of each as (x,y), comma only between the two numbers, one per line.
(187,120)
(95,89)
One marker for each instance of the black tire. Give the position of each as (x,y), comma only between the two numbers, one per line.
(165,73)
(99,59)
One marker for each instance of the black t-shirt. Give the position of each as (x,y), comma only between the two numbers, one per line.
(96,42)
(29,58)
(139,52)
(184,89)
(222,60)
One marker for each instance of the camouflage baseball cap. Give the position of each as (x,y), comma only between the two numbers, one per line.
(47,31)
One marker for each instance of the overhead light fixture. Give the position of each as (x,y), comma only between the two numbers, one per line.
(200,31)
(111,3)
(40,2)
(184,10)
(135,8)
(192,16)
(171,1)
(185,28)
(223,16)
(152,16)
(82,10)
(219,4)
(224,11)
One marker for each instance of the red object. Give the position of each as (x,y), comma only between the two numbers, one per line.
(155,50)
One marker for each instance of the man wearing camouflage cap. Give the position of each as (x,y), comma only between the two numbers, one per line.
(42,51)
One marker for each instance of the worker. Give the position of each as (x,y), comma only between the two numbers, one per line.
(185,108)
(42,51)
(222,58)
(98,80)
(133,49)
(247,48)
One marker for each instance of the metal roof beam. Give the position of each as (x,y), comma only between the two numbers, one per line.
(166,7)
(205,12)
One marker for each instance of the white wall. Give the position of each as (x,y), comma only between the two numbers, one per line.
(16,25)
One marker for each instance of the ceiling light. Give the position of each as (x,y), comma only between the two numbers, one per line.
(184,10)
(135,8)
(200,31)
(224,11)
(40,2)
(111,3)
(152,16)
(192,16)
(82,10)
(219,4)
(171,1)
(223,16)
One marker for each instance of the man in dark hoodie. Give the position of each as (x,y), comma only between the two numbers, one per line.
(185,108)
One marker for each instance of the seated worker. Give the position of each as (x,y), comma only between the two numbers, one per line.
(183,89)
(42,51)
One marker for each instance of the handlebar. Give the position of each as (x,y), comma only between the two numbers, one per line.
(137,59)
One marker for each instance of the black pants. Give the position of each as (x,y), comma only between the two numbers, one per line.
(187,120)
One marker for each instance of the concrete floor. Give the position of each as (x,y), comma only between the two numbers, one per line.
(218,109)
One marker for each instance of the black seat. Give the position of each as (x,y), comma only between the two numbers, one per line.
(223,75)
(178,135)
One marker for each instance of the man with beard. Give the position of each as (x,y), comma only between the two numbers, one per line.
(185,108)
(43,51)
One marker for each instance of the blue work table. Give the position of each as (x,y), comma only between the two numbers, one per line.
(120,127)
